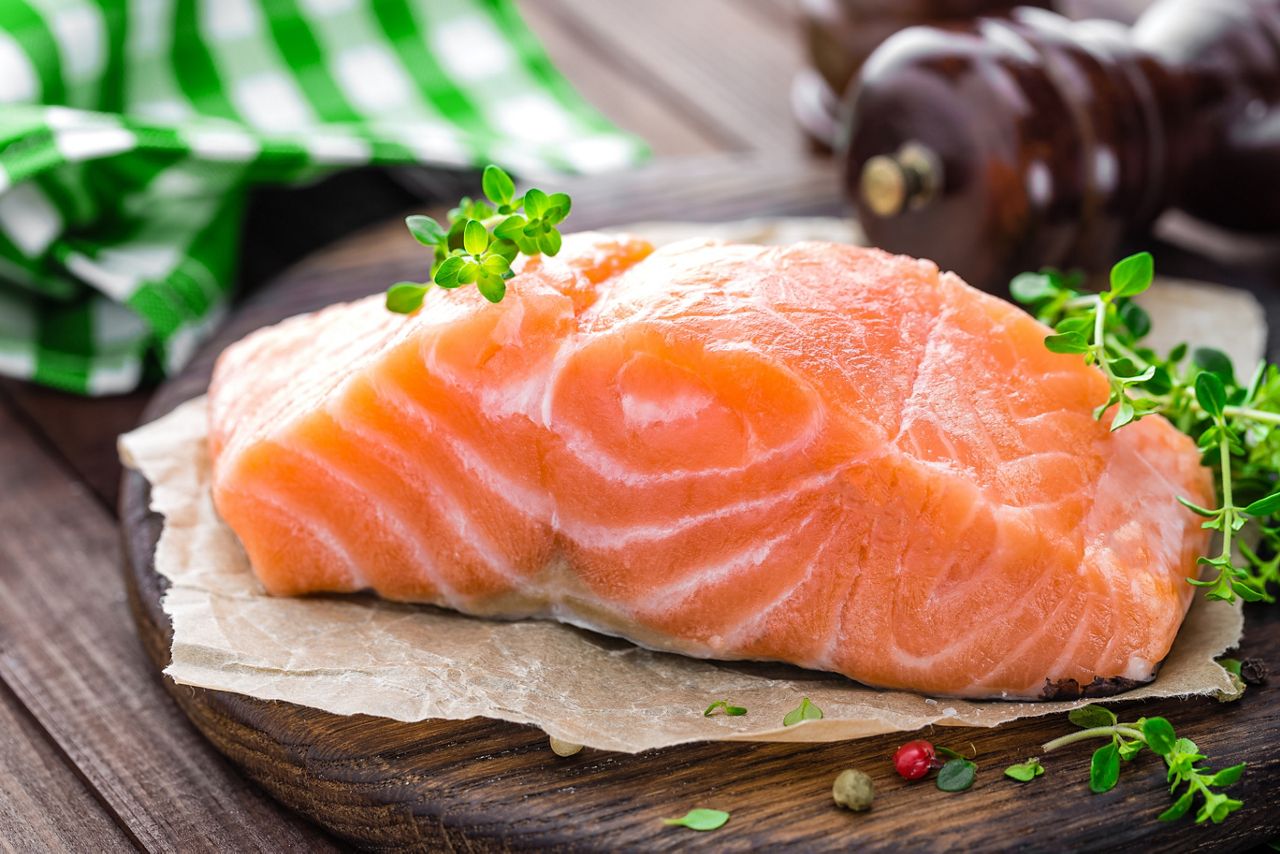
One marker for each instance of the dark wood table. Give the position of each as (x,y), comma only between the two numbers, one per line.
(93,754)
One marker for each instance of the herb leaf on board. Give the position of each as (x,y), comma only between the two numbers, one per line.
(1104,768)
(700,819)
(957,775)
(723,705)
(806,711)
(1091,715)
(1025,772)
(1181,758)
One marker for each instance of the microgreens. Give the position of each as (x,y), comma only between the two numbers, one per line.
(1025,772)
(806,711)
(723,705)
(1234,424)
(483,239)
(1126,740)
(700,819)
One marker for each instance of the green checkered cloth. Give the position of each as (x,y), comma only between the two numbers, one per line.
(131,130)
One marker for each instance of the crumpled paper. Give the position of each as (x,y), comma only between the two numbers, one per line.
(359,654)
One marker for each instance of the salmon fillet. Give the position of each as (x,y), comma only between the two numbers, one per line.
(816,454)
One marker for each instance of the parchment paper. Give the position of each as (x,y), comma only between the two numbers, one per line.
(358,654)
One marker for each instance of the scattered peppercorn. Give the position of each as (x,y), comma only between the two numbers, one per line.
(563,748)
(1254,671)
(915,759)
(853,790)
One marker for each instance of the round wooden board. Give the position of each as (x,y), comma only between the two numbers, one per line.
(489,785)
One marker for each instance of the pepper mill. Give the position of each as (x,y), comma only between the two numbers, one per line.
(1033,141)
(841,34)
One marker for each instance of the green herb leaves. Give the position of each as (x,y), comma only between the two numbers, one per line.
(1132,275)
(806,711)
(1159,735)
(1181,759)
(1025,772)
(700,819)
(1237,427)
(1035,288)
(957,775)
(1210,394)
(498,186)
(1081,324)
(1104,768)
(425,230)
(405,297)
(1091,715)
(483,239)
(723,705)
(1127,740)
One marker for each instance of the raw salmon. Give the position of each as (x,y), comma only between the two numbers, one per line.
(816,454)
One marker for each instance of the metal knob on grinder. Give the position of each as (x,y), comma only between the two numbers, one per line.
(1035,141)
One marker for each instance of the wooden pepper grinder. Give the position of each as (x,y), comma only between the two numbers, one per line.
(841,34)
(1036,141)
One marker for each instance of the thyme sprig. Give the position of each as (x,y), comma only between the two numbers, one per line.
(1127,740)
(1234,424)
(483,239)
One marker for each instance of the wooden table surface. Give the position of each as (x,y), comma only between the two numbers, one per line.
(93,753)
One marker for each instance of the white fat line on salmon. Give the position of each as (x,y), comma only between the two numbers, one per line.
(909,444)
(531,503)
(928,351)
(523,398)
(600,461)
(754,627)
(1173,488)
(498,397)
(1118,606)
(1094,550)
(1057,669)
(597,459)
(609,537)
(837,635)
(1030,457)
(1040,506)
(269,500)
(957,644)
(974,501)
(391,521)
(567,348)
(262,361)
(1014,656)
(697,579)
(453,512)
(539,506)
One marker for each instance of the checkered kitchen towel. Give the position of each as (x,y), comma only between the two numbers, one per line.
(131,129)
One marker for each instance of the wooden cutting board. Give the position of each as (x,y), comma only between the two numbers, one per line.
(489,785)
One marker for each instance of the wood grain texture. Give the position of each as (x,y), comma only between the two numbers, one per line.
(69,656)
(486,785)
(43,807)
(718,65)
(80,432)
(624,98)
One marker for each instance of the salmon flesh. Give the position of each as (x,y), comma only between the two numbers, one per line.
(816,454)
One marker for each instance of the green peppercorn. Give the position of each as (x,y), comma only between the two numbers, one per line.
(853,790)
(563,748)
(1237,689)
